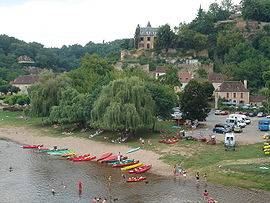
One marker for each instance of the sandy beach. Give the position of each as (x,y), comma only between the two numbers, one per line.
(28,136)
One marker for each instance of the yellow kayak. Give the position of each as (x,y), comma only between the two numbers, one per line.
(132,166)
(68,154)
(266,147)
(266,143)
(266,152)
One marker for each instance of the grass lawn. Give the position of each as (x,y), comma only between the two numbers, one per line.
(191,155)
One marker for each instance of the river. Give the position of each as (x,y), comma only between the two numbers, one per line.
(35,173)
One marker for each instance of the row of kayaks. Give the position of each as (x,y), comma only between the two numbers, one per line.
(169,141)
(132,166)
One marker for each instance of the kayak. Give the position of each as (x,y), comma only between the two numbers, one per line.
(68,157)
(126,164)
(104,156)
(55,150)
(59,153)
(133,179)
(141,169)
(68,154)
(172,141)
(81,156)
(88,158)
(33,146)
(132,166)
(166,140)
(122,162)
(133,150)
(110,158)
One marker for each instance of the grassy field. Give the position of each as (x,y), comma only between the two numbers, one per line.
(227,167)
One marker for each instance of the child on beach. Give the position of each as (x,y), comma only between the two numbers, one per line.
(198,177)
(205,176)
(184,173)
(205,195)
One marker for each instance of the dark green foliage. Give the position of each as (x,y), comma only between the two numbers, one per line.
(171,77)
(256,10)
(193,102)
(165,99)
(208,88)
(165,38)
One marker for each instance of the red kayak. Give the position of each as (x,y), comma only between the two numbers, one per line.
(78,157)
(172,141)
(141,169)
(135,179)
(88,158)
(126,164)
(110,158)
(104,156)
(166,140)
(33,146)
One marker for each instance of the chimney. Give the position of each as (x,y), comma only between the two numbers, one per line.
(245,84)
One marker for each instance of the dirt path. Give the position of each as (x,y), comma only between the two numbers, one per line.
(24,135)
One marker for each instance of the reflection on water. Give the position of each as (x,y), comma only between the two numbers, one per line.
(35,174)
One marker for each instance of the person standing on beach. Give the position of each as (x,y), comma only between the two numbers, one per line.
(198,177)
(205,176)
(110,180)
(80,186)
(205,195)
(184,173)
(175,170)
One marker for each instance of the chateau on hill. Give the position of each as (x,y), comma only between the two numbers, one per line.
(147,36)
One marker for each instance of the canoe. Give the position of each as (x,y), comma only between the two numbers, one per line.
(110,158)
(33,146)
(133,150)
(132,166)
(122,162)
(81,156)
(141,169)
(88,158)
(133,179)
(172,141)
(126,164)
(104,156)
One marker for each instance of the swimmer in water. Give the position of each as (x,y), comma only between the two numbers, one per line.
(53,191)
(10,169)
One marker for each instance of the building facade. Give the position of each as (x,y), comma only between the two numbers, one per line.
(24,82)
(233,91)
(147,37)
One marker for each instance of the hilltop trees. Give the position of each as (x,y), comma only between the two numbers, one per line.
(165,38)
(256,10)
(123,105)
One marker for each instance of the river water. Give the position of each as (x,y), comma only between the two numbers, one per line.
(35,173)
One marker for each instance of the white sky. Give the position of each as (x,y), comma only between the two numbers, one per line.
(64,22)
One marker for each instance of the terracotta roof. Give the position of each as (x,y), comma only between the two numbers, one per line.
(184,77)
(26,79)
(201,79)
(160,69)
(232,86)
(216,77)
(256,98)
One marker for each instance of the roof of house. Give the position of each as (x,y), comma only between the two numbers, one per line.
(201,79)
(232,86)
(184,77)
(216,77)
(26,79)
(149,31)
(256,98)
(160,69)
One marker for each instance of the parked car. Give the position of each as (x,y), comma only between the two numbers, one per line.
(217,112)
(237,129)
(220,130)
(227,126)
(224,113)
(252,114)
(261,114)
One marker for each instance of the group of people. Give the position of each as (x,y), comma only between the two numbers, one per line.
(178,171)
(149,142)
(97,200)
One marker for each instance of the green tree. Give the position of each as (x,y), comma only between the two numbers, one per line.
(14,89)
(256,10)
(201,73)
(137,37)
(21,99)
(208,88)
(125,105)
(46,93)
(165,99)
(190,39)
(165,37)
(170,78)
(193,102)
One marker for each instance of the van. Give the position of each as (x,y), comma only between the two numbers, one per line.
(236,122)
(240,118)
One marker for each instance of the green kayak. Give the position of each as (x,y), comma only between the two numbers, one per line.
(60,152)
(122,162)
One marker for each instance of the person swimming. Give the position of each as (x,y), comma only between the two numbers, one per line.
(10,169)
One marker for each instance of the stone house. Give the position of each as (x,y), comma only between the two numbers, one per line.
(216,79)
(147,37)
(234,91)
(184,78)
(24,82)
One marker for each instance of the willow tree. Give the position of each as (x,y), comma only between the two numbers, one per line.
(125,105)
(47,93)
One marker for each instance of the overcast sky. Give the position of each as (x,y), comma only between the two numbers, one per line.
(64,22)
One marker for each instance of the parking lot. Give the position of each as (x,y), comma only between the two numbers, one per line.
(251,134)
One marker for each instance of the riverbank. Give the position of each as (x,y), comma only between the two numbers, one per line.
(28,136)
(238,168)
